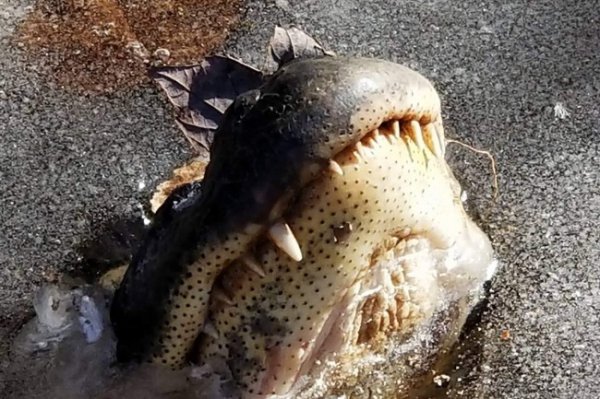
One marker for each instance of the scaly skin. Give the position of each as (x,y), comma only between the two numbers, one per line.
(344,154)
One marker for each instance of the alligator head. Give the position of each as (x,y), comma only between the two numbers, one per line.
(328,229)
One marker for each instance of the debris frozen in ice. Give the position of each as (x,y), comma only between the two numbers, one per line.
(90,319)
(60,314)
(52,308)
(53,321)
(68,352)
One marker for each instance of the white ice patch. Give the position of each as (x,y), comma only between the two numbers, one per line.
(560,111)
(53,323)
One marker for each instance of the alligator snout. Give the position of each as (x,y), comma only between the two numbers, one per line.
(329,228)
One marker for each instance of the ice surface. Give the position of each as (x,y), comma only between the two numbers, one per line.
(68,352)
(53,322)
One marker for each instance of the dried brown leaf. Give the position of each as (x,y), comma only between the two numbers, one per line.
(202,93)
(291,43)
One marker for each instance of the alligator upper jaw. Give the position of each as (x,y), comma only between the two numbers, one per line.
(373,249)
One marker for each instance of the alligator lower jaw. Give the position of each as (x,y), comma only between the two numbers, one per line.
(371,251)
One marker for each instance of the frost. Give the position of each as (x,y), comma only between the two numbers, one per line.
(560,111)
(54,321)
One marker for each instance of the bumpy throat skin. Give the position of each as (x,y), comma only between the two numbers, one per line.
(298,246)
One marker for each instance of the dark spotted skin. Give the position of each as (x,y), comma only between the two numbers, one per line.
(272,142)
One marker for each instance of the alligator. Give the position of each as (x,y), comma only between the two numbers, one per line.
(327,236)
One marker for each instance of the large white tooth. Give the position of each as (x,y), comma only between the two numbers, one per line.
(432,140)
(416,134)
(396,129)
(335,167)
(210,330)
(405,232)
(283,237)
(220,295)
(253,265)
(371,142)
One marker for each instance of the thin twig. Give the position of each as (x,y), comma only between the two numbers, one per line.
(486,153)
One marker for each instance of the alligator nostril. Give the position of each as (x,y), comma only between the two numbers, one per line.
(342,232)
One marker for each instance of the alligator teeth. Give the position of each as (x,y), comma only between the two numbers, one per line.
(379,138)
(210,330)
(335,167)
(439,128)
(363,151)
(431,138)
(371,143)
(414,130)
(391,138)
(396,129)
(253,265)
(220,295)
(283,237)
(358,157)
